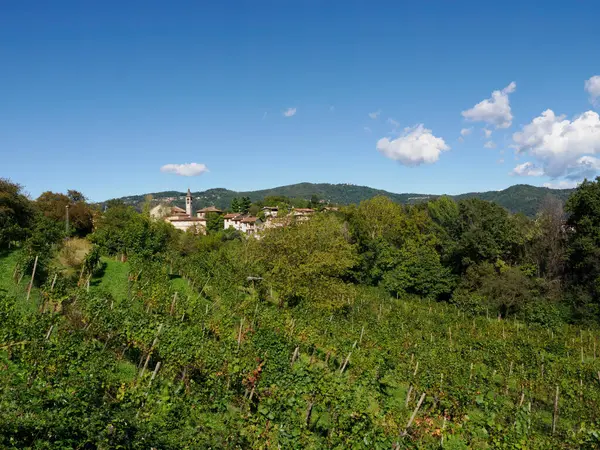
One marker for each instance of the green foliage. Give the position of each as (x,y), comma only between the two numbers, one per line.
(306,261)
(398,249)
(484,232)
(416,269)
(584,237)
(214,223)
(54,206)
(121,230)
(16,213)
(500,288)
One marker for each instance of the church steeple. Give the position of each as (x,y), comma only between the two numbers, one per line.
(188,203)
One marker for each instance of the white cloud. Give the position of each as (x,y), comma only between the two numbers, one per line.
(289,112)
(393,123)
(367,129)
(592,87)
(527,169)
(375,115)
(466,131)
(562,184)
(414,147)
(494,110)
(559,143)
(500,161)
(584,167)
(185,170)
(489,144)
(487,133)
(332,108)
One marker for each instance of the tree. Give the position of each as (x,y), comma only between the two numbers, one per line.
(214,223)
(147,205)
(122,230)
(485,232)
(54,206)
(306,261)
(504,289)
(416,269)
(245,204)
(583,227)
(548,246)
(235,205)
(16,213)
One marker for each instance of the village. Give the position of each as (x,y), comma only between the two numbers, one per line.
(184,219)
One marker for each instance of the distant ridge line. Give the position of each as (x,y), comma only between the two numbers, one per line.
(522,198)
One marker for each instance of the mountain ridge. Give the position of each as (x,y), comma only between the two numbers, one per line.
(522,198)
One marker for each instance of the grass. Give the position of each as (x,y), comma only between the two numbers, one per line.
(72,254)
(113,278)
(8,262)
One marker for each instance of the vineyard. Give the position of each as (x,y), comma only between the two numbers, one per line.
(204,362)
(376,326)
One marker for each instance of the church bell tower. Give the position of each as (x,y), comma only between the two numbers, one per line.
(188,203)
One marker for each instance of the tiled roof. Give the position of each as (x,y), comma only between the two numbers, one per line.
(249,219)
(209,209)
(186,219)
(230,215)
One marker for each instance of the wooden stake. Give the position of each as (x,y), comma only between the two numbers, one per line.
(522,399)
(362,331)
(156,369)
(32,277)
(410,388)
(150,351)
(295,355)
(53,282)
(555,412)
(416,369)
(443,428)
(173,303)
(414,414)
(49,332)
(471,372)
(308,413)
(239,340)
(345,363)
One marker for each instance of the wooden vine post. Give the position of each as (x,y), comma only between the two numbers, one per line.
(555,412)
(32,277)
(345,363)
(414,414)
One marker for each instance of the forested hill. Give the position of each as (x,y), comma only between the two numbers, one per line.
(519,198)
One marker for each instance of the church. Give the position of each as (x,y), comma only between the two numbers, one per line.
(183,219)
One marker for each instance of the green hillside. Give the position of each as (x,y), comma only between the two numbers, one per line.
(519,198)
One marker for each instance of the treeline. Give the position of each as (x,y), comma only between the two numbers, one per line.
(471,253)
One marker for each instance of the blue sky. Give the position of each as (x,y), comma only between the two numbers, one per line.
(98,96)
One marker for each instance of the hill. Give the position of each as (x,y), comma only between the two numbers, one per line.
(519,198)
(383,372)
